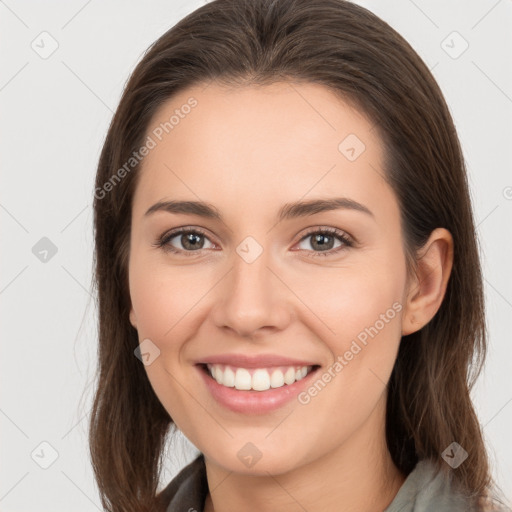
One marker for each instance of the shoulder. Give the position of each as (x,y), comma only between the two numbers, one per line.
(430,489)
(188,489)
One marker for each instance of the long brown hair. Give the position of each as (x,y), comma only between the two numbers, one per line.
(362,59)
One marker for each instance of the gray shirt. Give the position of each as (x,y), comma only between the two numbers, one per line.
(424,490)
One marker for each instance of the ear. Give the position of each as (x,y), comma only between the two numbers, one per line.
(133,318)
(427,289)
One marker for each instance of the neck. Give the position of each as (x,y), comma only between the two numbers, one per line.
(359,475)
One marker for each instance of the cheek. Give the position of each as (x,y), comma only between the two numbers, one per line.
(348,300)
(366,322)
(161,305)
(361,309)
(159,299)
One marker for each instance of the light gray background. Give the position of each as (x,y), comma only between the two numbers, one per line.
(55,113)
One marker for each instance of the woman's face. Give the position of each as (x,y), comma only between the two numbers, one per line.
(261,278)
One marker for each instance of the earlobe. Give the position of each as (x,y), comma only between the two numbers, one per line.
(426,292)
(133,319)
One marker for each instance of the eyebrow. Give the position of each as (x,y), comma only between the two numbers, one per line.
(287,211)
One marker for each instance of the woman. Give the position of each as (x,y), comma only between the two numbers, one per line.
(287,272)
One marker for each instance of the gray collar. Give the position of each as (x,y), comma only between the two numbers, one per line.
(425,489)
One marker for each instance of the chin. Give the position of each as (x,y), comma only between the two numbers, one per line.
(254,462)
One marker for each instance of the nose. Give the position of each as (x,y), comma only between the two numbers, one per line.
(252,298)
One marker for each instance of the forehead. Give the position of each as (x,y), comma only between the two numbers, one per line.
(270,143)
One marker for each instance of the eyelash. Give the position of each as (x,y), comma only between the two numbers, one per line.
(163,241)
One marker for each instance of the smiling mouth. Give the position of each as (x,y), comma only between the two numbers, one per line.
(256,379)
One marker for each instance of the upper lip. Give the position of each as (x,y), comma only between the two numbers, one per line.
(259,361)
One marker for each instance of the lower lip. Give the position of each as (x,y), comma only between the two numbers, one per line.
(251,401)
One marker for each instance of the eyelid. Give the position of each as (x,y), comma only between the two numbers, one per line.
(329,229)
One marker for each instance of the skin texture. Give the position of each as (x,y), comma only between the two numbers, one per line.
(247,151)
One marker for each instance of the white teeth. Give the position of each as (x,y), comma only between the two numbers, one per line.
(261,380)
(289,376)
(242,379)
(218,375)
(258,379)
(228,378)
(277,379)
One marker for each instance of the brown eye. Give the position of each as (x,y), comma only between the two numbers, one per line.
(184,241)
(191,241)
(322,242)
